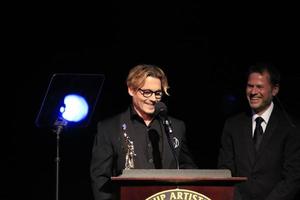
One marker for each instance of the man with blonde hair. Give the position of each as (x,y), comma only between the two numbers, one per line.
(137,138)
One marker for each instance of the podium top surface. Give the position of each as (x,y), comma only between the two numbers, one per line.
(192,173)
(177,176)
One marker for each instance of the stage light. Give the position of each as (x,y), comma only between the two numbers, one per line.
(75,108)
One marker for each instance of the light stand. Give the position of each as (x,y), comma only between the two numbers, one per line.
(70,100)
(59,124)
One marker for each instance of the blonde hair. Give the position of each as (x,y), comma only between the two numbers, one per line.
(138,74)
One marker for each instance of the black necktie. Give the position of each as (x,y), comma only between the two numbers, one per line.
(258,133)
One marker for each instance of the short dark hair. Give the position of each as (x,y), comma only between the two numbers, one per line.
(266,67)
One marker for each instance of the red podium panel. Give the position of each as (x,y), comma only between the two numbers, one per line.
(176,184)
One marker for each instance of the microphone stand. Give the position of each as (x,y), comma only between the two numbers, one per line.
(59,124)
(161,110)
(169,132)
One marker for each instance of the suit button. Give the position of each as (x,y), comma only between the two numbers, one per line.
(150,160)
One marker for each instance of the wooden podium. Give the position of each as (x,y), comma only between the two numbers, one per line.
(185,184)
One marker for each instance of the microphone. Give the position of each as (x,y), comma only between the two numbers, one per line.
(162,111)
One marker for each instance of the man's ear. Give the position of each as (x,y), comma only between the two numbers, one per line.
(275,90)
(130,91)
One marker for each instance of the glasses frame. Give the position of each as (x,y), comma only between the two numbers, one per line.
(147,93)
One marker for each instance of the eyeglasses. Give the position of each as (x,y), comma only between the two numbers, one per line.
(148,93)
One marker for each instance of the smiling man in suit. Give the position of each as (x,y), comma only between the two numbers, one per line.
(262,144)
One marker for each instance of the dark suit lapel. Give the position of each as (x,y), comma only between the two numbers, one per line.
(249,142)
(125,122)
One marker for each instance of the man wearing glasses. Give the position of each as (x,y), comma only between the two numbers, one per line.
(136,138)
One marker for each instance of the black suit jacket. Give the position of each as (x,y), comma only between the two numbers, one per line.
(275,173)
(108,157)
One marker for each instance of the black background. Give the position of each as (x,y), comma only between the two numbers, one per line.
(204,54)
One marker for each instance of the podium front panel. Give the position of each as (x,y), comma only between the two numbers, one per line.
(144,192)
